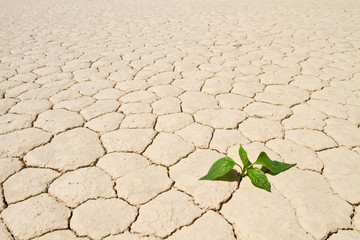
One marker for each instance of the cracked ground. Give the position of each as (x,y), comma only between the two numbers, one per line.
(111,110)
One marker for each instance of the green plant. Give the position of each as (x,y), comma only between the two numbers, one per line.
(256,175)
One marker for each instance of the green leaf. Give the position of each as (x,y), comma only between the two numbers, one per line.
(274,167)
(243,156)
(219,168)
(258,178)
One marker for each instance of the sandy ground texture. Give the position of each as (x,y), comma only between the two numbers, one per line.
(111,110)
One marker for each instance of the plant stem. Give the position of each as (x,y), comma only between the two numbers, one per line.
(242,171)
(239,166)
(250,165)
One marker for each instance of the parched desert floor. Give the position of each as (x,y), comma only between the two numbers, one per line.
(111,110)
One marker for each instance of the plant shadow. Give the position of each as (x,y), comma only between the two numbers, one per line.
(231,176)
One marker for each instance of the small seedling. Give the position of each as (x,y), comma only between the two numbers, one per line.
(256,175)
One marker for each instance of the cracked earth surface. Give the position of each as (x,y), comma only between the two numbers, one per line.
(110,112)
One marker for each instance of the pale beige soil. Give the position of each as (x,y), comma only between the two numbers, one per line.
(111,110)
